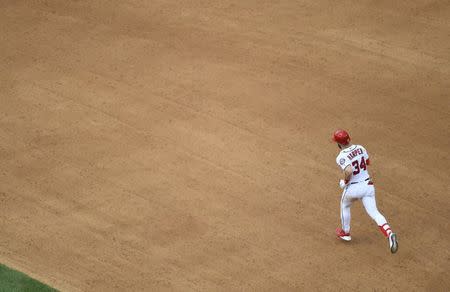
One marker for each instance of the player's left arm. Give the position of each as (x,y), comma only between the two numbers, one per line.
(366,156)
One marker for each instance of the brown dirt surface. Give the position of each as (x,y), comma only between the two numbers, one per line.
(184,145)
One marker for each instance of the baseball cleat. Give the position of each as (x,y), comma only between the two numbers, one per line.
(393,244)
(342,235)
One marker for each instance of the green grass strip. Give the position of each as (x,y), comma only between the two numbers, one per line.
(14,281)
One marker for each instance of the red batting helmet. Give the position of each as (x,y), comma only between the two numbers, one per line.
(341,137)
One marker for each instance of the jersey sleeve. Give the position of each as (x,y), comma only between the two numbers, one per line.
(343,161)
(366,154)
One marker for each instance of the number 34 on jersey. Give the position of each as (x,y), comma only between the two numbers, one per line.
(358,158)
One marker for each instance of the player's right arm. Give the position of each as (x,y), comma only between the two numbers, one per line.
(348,172)
(346,166)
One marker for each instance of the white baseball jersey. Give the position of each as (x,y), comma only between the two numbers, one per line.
(357,157)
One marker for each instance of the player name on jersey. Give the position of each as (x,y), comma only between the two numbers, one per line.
(355,153)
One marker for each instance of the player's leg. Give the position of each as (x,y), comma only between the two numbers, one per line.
(371,208)
(370,205)
(345,214)
(344,232)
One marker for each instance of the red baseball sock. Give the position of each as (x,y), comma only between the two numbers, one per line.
(385,229)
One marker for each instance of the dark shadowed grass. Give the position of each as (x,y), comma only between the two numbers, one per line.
(14,281)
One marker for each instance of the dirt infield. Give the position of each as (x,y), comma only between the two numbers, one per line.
(184,145)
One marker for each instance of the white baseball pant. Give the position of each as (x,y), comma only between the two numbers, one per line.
(364,192)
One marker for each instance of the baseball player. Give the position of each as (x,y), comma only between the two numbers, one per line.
(357,185)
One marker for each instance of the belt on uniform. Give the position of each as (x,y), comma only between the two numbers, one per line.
(367,179)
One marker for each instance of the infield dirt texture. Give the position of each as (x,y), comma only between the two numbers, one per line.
(184,145)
